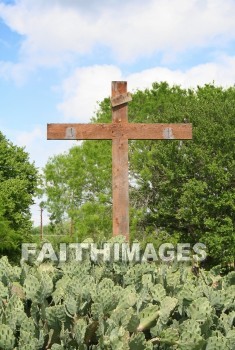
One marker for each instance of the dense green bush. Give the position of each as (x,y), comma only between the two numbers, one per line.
(18,181)
(115,306)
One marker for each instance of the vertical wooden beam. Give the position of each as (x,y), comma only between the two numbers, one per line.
(120,166)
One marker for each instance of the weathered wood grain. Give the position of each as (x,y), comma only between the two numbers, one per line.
(132,131)
(120,182)
(119,100)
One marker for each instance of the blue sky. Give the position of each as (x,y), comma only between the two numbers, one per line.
(58,58)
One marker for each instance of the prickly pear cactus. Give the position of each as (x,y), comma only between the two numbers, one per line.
(57,347)
(7,338)
(217,343)
(32,288)
(142,306)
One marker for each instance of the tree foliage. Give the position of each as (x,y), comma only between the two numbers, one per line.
(180,190)
(78,188)
(18,178)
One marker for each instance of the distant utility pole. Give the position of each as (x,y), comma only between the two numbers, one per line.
(41,226)
(41,220)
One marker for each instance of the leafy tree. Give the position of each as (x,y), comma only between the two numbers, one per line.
(18,178)
(78,188)
(180,190)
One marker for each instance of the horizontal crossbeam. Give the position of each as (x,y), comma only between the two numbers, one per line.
(108,131)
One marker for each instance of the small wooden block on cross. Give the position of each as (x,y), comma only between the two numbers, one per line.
(119,131)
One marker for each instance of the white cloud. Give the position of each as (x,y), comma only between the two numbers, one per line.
(222,72)
(88,85)
(84,88)
(55,31)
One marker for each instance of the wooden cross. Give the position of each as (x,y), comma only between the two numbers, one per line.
(119,131)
